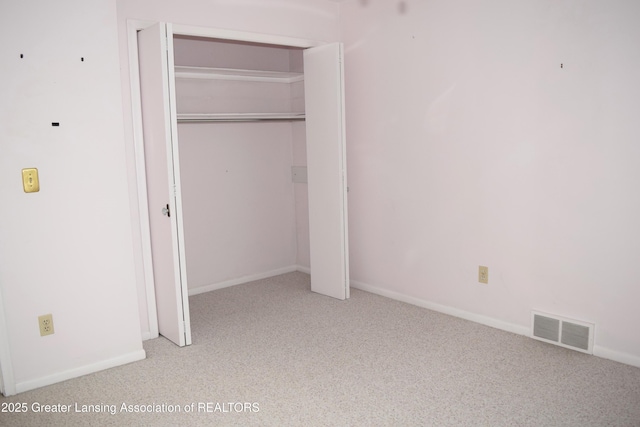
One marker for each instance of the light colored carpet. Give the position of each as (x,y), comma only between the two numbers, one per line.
(303,359)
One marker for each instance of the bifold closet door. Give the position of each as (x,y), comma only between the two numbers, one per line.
(327,170)
(155,57)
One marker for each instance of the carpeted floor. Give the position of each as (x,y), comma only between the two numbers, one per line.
(272,353)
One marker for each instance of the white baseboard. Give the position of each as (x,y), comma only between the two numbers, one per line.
(616,356)
(605,353)
(243,279)
(478,318)
(80,371)
(303,269)
(146,336)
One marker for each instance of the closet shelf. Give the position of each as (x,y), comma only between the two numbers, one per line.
(239,117)
(184,72)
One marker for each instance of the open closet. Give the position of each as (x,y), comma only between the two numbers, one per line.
(244,157)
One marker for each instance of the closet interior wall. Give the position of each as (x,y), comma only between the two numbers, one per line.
(243,214)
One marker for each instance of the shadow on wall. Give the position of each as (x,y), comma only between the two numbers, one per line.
(402,6)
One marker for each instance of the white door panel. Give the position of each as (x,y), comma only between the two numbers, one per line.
(326,166)
(160,145)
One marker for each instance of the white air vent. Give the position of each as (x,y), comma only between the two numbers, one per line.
(569,333)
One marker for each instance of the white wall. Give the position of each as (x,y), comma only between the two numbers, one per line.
(304,19)
(469,144)
(65,250)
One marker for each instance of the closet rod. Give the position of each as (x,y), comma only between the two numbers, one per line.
(237,117)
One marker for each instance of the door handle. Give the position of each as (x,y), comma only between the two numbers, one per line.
(166,211)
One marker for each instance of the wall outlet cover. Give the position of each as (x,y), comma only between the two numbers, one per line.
(46,324)
(483,274)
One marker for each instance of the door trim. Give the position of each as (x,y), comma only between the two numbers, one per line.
(133,26)
(7,381)
(242,36)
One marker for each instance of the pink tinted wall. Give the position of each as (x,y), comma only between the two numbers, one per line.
(502,134)
(237,192)
(238,200)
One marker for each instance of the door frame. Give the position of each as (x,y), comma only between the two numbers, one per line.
(7,381)
(133,26)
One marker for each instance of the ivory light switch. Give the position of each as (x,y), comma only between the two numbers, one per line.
(30,181)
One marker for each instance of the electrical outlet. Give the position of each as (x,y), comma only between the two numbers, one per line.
(46,324)
(483,274)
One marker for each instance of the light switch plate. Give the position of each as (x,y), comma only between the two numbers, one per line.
(30,181)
